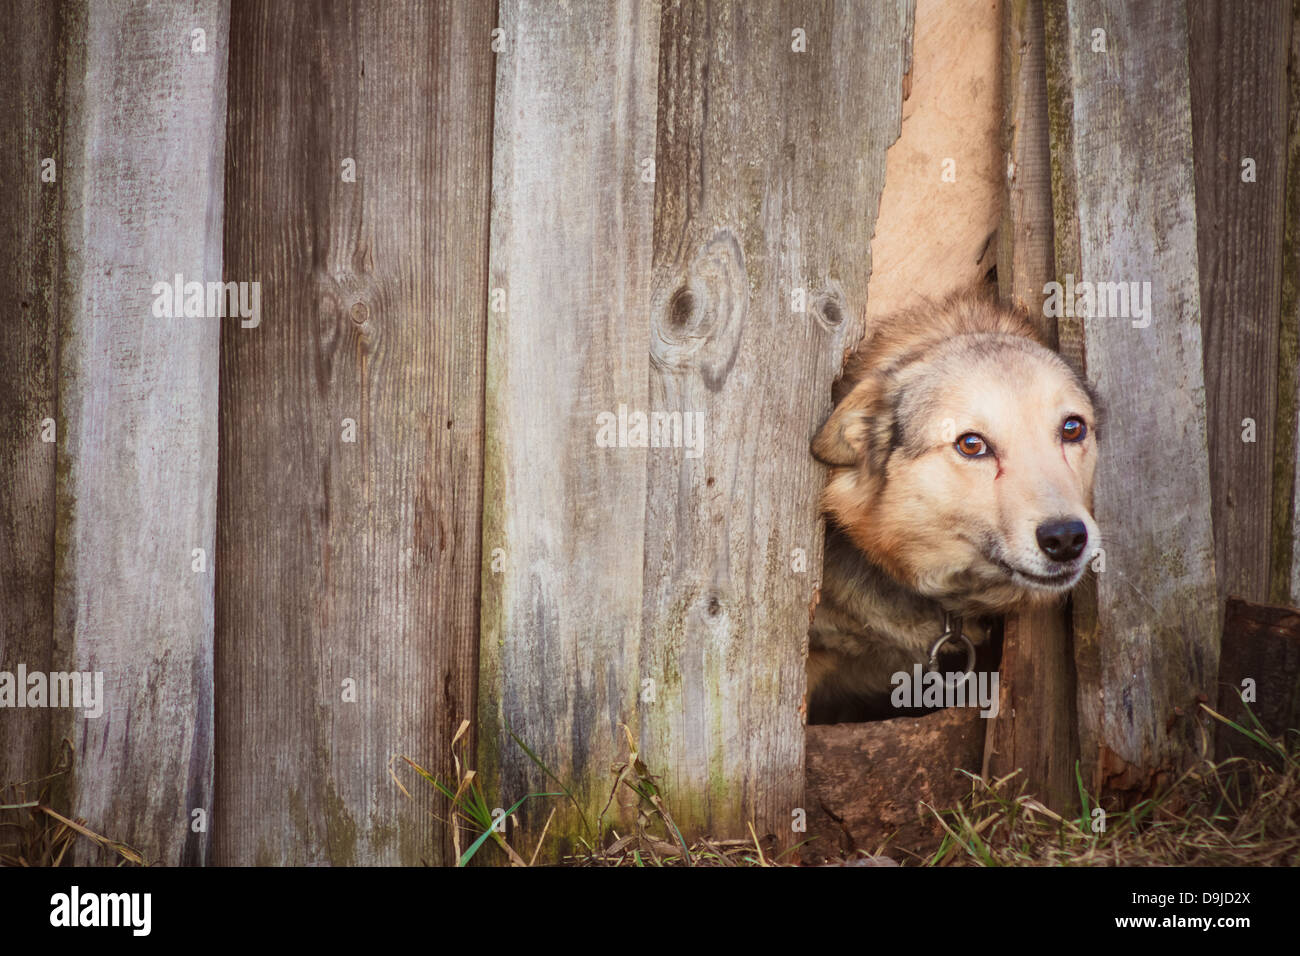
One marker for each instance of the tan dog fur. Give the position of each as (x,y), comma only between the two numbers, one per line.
(915,529)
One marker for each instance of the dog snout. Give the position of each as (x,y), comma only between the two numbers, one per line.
(1062,540)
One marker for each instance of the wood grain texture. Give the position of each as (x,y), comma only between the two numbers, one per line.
(563,517)
(1284,583)
(1261,643)
(770,165)
(31,77)
(1124,202)
(934,235)
(1238,61)
(142,151)
(867,783)
(350,560)
(1026,260)
(1033,731)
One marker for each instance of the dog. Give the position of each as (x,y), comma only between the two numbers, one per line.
(961,453)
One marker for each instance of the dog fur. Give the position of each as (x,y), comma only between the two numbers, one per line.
(916,528)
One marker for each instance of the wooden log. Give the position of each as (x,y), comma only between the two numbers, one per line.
(141,161)
(30,79)
(770,160)
(871,786)
(1261,644)
(1238,61)
(351,425)
(563,517)
(1124,203)
(1034,728)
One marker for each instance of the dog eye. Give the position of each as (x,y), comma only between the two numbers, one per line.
(1073,430)
(971,445)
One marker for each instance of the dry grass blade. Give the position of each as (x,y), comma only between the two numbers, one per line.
(130,854)
(1237,812)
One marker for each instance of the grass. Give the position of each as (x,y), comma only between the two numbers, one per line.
(468,812)
(1243,811)
(470,807)
(32,833)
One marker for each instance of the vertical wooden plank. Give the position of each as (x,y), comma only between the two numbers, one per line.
(1238,60)
(31,77)
(770,165)
(1261,643)
(1034,728)
(1065,203)
(350,560)
(136,488)
(563,515)
(1284,583)
(1025,252)
(1124,193)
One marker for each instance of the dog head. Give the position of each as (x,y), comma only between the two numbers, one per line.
(963,453)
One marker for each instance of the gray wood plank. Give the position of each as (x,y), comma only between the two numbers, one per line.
(1033,731)
(770,166)
(570,250)
(350,560)
(142,160)
(1124,194)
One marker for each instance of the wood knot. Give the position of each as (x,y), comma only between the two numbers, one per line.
(680,308)
(699,312)
(829,309)
(360,314)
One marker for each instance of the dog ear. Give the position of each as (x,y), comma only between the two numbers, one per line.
(850,434)
(843,439)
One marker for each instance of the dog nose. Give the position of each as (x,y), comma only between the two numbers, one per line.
(1062,540)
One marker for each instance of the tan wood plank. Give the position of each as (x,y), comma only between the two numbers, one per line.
(30,78)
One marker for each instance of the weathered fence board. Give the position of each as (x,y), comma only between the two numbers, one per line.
(1284,584)
(137,421)
(349,550)
(482,257)
(567,336)
(1261,645)
(30,87)
(770,166)
(1238,59)
(1125,200)
(1034,728)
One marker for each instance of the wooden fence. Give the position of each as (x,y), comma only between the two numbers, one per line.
(302,542)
